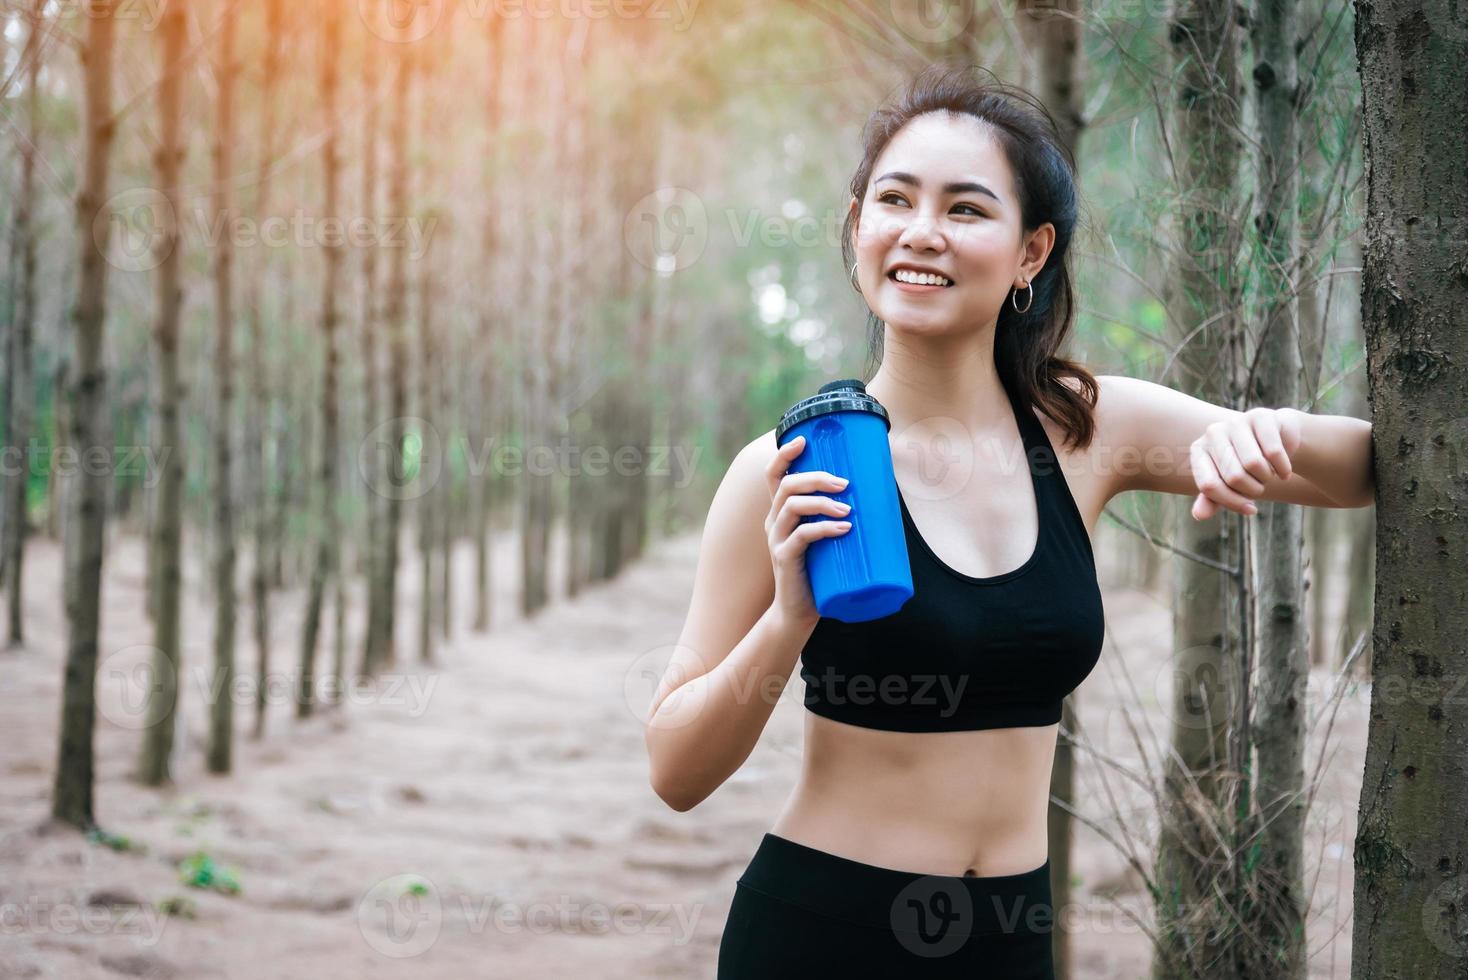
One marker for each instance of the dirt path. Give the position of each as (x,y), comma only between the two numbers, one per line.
(489,817)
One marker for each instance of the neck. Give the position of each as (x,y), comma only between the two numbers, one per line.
(932,377)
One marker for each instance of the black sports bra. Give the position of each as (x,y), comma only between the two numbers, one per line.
(964,652)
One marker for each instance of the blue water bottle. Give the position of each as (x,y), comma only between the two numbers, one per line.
(862,574)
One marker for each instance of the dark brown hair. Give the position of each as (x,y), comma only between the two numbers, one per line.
(1025,344)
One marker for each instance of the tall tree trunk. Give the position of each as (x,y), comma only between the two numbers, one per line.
(383,602)
(484,416)
(19,391)
(376,501)
(537,487)
(432,499)
(326,552)
(19,387)
(71,799)
(1277,914)
(155,763)
(1411,882)
(1209,635)
(256,438)
(447,514)
(221,713)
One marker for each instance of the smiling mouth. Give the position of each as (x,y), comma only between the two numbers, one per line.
(892,276)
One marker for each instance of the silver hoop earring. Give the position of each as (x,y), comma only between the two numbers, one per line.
(854,284)
(1015,294)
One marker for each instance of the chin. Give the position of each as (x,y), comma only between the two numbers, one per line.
(924,326)
(919,315)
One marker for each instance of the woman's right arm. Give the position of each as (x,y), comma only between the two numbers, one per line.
(749,618)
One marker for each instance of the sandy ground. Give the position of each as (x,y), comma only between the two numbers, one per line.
(491,816)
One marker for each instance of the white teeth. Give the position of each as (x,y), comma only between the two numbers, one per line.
(920,278)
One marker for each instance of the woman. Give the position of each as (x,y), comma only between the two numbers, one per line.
(914,843)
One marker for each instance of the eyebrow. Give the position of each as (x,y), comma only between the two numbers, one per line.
(958,187)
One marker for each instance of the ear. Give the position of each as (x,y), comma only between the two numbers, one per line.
(1036,251)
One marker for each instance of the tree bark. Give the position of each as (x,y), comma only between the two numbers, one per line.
(382,605)
(155,763)
(376,503)
(433,497)
(326,553)
(256,438)
(221,713)
(1277,914)
(1411,854)
(20,390)
(536,486)
(1201,773)
(71,799)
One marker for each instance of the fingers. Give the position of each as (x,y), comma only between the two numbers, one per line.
(797,506)
(1269,433)
(800,539)
(1212,485)
(784,484)
(780,462)
(1240,463)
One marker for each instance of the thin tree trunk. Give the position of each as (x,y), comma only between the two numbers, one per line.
(537,486)
(1194,870)
(432,499)
(20,389)
(71,800)
(221,714)
(326,553)
(1277,915)
(482,416)
(382,606)
(155,763)
(447,514)
(376,502)
(255,437)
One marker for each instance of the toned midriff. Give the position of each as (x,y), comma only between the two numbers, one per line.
(950,803)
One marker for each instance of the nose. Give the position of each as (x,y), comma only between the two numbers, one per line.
(921,233)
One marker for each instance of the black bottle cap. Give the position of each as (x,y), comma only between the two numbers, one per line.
(845,395)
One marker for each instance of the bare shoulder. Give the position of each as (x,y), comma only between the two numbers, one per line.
(749,465)
(1090,478)
(743,498)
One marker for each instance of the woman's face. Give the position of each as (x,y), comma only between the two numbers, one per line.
(942,198)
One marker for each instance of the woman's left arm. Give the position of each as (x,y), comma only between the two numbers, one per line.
(1165,440)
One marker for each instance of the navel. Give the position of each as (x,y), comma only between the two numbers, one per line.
(970,873)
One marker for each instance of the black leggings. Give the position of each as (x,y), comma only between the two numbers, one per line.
(803,912)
